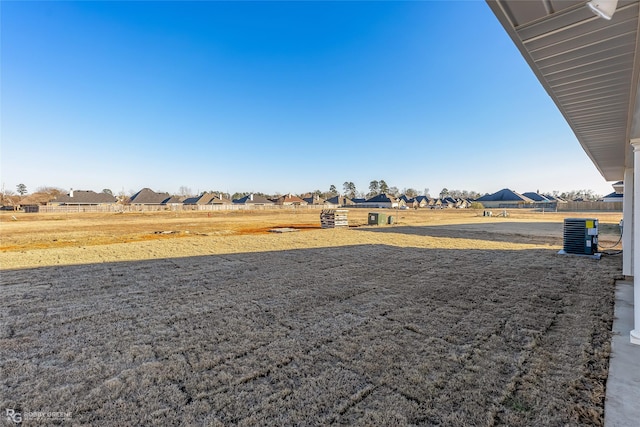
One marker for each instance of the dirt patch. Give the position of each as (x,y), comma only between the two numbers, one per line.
(449,325)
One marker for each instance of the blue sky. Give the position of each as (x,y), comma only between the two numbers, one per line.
(275,97)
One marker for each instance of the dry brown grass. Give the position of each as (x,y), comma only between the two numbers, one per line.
(467,321)
(89,238)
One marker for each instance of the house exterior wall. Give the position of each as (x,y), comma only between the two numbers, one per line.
(628,224)
(381,205)
(507,204)
(635,333)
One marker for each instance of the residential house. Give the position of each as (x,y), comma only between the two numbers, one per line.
(613,197)
(192,201)
(314,199)
(464,203)
(174,202)
(219,199)
(554,198)
(83,198)
(207,199)
(435,203)
(540,200)
(253,200)
(572,53)
(383,200)
(405,199)
(618,187)
(290,200)
(423,201)
(449,203)
(9,202)
(536,197)
(32,202)
(411,203)
(617,195)
(147,197)
(342,201)
(505,198)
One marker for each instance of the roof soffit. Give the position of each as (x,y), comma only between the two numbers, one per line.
(589,67)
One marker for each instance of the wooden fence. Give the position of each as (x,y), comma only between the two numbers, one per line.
(590,206)
(107,208)
(115,208)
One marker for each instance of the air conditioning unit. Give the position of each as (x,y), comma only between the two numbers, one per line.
(581,236)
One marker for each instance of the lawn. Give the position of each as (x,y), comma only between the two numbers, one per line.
(448,324)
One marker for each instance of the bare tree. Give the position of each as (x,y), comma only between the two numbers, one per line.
(51,191)
(394,191)
(220,193)
(122,198)
(9,198)
(463,194)
(588,195)
(238,195)
(410,192)
(184,191)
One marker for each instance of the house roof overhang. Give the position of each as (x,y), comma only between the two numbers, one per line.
(588,65)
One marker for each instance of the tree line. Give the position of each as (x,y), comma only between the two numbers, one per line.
(348,190)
